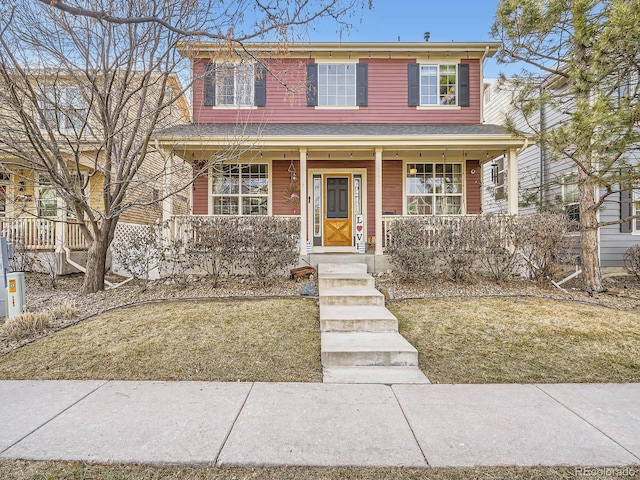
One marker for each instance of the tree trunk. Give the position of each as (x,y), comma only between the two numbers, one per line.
(589,238)
(96,263)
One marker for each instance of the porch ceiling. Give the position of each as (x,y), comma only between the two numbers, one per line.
(482,140)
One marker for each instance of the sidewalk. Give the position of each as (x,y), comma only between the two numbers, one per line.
(253,424)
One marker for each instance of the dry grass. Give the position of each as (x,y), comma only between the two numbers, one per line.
(261,340)
(521,340)
(21,470)
(25,325)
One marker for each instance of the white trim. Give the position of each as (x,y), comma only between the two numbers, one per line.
(438,107)
(233,107)
(324,172)
(337,107)
(239,161)
(436,161)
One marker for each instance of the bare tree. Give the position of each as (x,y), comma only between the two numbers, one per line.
(84,85)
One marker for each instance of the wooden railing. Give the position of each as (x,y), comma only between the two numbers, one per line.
(40,233)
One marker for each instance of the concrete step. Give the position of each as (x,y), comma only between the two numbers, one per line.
(386,375)
(340,349)
(329,280)
(342,268)
(351,296)
(357,318)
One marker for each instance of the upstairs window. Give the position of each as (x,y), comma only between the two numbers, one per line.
(438,85)
(234,84)
(337,84)
(431,85)
(64,108)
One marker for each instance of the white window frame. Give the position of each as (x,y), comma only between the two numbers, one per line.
(441,191)
(499,178)
(323,86)
(64,108)
(635,210)
(242,199)
(44,185)
(243,80)
(570,199)
(440,98)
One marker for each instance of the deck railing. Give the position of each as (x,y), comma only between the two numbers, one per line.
(433,223)
(40,233)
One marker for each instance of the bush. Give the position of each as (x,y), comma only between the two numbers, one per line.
(632,260)
(25,324)
(543,241)
(496,252)
(457,243)
(138,252)
(410,249)
(269,244)
(263,246)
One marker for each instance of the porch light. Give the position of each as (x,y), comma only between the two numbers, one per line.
(413,171)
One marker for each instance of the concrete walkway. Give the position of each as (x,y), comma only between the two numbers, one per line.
(255,424)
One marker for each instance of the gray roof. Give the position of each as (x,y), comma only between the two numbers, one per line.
(328,130)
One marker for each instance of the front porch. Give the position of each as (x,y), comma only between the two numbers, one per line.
(346,183)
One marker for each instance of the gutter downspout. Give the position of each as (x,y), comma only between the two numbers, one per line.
(543,156)
(484,57)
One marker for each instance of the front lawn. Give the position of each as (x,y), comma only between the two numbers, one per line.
(464,340)
(521,340)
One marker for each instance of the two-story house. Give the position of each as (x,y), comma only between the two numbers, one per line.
(34,215)
(359,133)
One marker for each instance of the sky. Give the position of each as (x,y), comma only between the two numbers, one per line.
(446,20)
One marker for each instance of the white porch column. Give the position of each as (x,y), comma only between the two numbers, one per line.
(60,227)
(304,204)
(167,200)
(512,183)
(378,201)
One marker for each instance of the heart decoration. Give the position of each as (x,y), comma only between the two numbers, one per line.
(359,228)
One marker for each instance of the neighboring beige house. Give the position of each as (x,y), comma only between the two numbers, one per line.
(32,214)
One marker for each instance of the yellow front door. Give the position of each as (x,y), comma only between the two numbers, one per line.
(337,221)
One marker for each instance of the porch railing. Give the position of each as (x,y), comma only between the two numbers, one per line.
(40,233)
(431,223)
(181,226)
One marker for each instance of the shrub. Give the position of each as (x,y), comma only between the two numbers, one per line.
(139,251)
(25,324)
(543,242)
(632,260)
(496,252)
(410,248)
(269,244)
(457,243)
(214,245)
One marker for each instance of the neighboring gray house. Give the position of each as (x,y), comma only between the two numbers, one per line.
(550,183)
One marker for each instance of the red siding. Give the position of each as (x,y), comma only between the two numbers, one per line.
(387,99)
(280,180)
(392,187)
(201,195)
(474,193)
